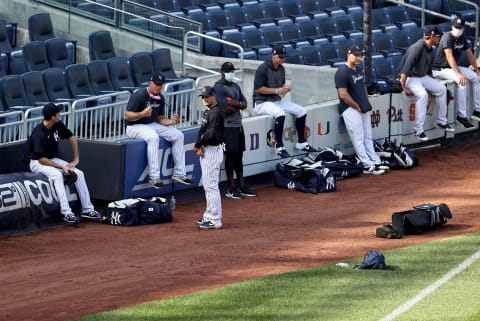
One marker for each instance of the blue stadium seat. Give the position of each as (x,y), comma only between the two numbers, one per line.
(327,28)
(35,56)
(349,6)
(294,57)
(238,38)
(383,45)
(346,26)
(57,53)
(312,9)
(330,7)
(120,75)
(35,91)
(292,34)
(381,21)
(401,40)
(330,55)
(256,42)
(238,18)
(274,36)
(209,47)
(310,56)
(293,10)
(309,31)
(399,16)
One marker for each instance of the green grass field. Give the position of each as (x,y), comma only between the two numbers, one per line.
(330,292)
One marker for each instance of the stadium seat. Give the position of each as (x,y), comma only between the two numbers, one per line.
(100,45)
(274,36)
(294,57)
(330,7)
(293,10)
(399,16)
(415,34)
(40,27)
(209,47)
(274,10)
(312,9)
(56,85)
(99,77)
(238,38)
(327,28)
(401,40)
(342,46)
(256,15)
(57,53)
(238,18)
(77,80)
(383,44)
(349,6)
(35,56)
(35,90)
(162,62)
(330,55)
(292,34)
(5,44)
(219,21)
(256,42)
(141,68)
(310,56)
(460,9)
(309,30)
(14,94)
(381,21)
(120,75)
(345,25)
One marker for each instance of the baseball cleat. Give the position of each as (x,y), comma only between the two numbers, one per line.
(182,179)
(282,152)
(209,225)
(246,192)
(71,218)
(372,170)
(476,115)
(156,183)
(93,215)
(305,147)
(465,122)
(422,137)
(235,194)
(445,127)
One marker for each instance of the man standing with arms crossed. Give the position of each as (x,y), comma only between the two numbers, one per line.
(269,87)
(209,147)
(416,79)
(355,109)
(230,98)
(145,119)
(445,66)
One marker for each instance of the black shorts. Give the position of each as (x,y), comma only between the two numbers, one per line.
(234,139)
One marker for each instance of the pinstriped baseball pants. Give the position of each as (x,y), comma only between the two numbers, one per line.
(210,164)
(55,176)
(151,133)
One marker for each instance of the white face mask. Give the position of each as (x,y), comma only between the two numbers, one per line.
(457,32)
(230,76)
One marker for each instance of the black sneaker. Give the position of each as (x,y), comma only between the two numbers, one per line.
(305,147)
(200,220)
(383,166)
(156,183)
(182,179)
(465,122)
(235,194)
(282,153)
(373,170)
(422,137)
(71,218)
(476,115)
(445,127)
(208,225)
(93,215)
(246,192)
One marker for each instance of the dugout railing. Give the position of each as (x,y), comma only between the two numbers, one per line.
(102,117)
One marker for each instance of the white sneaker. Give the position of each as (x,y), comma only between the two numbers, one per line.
(373,170)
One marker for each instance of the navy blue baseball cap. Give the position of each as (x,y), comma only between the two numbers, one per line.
(206,91)
(432,30)
(280,51)
(458,22)
(158,79)
(50,110)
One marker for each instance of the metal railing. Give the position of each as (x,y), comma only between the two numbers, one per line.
(102,117)
(424,11)
(132,16)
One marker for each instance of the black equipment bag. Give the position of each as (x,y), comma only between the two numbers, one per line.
(316,180)
(421,218)
(138,211)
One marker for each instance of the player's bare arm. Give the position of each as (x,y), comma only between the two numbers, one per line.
(133,116)
(75,153)
(273,91)
(168,121)
(347,99)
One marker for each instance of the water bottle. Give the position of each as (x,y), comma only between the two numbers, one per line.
(173,202)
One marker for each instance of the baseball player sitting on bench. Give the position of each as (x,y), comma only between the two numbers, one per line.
(43,153)
(269,87)
(145,118)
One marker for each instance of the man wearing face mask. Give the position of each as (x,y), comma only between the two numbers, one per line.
(145,119)
(231,100)
(416,79)
(445,66)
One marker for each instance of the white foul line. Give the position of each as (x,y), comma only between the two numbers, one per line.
(410,303)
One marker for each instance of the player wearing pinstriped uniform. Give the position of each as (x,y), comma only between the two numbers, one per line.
(145,119)
(355,110)
(269,87)
(43,152)
(416,79)
(209,147)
